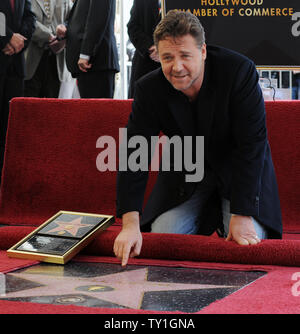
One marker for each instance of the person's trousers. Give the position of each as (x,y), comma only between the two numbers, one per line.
(45,81)
(11,85)
(96,84)
(185,218)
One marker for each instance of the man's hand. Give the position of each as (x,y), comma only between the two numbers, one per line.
(129,241)
(8,50)
(51,38)
(17,42)
(84,65)
(61,31)
(241,230)
(153,54)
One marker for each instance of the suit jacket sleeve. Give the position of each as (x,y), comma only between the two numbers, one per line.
(131,185)
(250,141)
(28,22)
(96,25)
(136,32)
(5,39)
(26,28)
(8,32)
(41,34)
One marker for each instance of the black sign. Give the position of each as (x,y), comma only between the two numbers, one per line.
(267,31)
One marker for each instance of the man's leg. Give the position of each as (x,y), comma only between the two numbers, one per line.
(45,81)
(11,86)
(184,219)
(51,81)
(98,84)
(260,230)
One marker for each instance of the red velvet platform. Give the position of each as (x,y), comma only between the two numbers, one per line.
(50,159)
(50,165)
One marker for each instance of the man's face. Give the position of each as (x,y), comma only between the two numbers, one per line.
(183,63)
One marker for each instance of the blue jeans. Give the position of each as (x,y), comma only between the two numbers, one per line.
(184,219)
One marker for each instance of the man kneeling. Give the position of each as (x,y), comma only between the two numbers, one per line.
(204,91)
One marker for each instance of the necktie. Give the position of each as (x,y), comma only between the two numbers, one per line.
(47,7)
(12,4)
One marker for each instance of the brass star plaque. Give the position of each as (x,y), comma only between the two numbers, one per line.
(61,237)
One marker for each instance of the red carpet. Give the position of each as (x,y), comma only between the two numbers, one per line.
(185,247)
(7,264)
(271,293)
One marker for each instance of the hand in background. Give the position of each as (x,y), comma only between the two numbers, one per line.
(51,38)
(8,50)
(17,42)
(61,31)
(153,54)
(84,65)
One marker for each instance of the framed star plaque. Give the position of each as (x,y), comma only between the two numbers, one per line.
(61,237)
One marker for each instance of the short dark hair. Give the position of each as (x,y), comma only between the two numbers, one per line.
(177,24)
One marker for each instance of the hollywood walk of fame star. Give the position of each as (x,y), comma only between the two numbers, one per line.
(124,288)
(71,227)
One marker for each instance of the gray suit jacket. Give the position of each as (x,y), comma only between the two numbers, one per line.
(59,9)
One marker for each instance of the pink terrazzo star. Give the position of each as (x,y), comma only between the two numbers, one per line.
(126,288)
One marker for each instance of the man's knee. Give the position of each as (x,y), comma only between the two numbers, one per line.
(170,222)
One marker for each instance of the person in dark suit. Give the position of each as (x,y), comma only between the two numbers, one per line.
(19,27)
(91,50)
(210,92)
(144,16)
